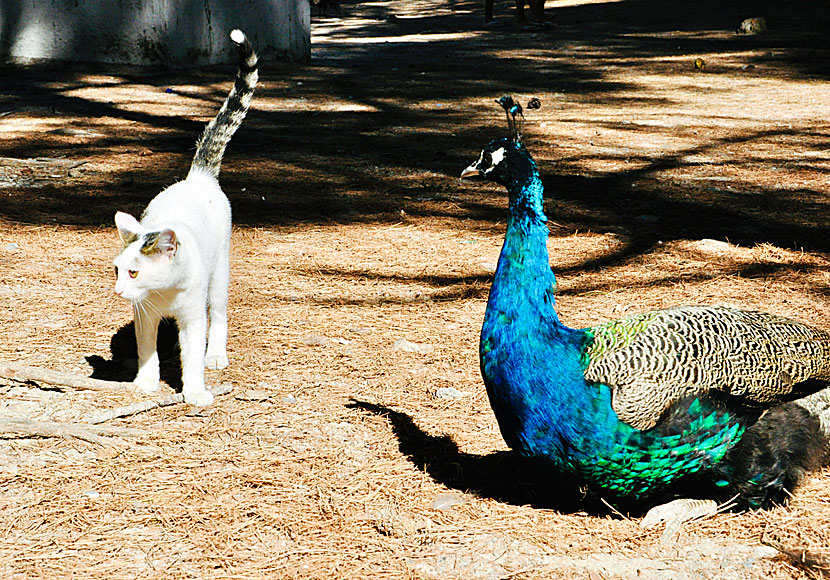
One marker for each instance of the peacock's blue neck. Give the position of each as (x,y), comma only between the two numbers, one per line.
(526,193)
(532,364)
(523,279)
(523,276)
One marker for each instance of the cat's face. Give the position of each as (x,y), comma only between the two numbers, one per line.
(146,262)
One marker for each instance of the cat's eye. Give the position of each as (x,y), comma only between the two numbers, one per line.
(132,273)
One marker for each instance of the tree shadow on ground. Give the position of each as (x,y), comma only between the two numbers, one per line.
(504,476)
(123,362)
(398,125)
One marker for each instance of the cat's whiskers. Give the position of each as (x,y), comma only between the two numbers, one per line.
(138,312)
(145,307)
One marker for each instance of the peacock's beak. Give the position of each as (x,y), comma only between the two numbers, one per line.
(471,171)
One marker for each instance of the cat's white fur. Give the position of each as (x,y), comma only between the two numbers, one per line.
(186,278)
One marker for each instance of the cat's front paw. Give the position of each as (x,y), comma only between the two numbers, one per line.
(216,362)
(201,398)
(147,384)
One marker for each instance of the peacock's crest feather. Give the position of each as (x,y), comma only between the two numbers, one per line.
(515,116)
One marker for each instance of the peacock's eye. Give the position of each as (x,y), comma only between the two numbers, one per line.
(487,159)
(132,273)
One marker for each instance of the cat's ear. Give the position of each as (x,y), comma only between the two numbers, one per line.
(128,227)
(168,243)
(163,243)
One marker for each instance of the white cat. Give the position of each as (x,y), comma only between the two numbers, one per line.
(175,261)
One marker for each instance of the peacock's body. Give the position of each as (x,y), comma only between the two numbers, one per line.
(632,407)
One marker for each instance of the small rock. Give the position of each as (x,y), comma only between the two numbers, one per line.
(91,494)
(11,247)
(408,346)
(712,246)
(489,267)
(363,330)
(141,507)
(314,340)
(446,501)
(765,552)
(396,525)
(289,400)
(447,393)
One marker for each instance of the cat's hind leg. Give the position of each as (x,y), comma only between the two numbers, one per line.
(146,322)
(217,345)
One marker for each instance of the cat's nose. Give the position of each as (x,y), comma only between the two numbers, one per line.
(119,292)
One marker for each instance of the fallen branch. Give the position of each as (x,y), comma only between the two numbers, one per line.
(43,162)
(92,433)
(22,373)
(140,407)
(804,557)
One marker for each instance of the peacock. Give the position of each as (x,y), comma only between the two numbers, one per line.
(691,403)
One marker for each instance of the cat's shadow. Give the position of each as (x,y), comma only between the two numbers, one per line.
(123,364)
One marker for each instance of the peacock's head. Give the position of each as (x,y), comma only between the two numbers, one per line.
(502,161)
(506,161)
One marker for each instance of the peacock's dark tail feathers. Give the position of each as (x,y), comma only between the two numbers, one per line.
(769,462)
(818,404)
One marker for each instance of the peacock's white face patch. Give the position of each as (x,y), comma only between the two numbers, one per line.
(486,162)
(496,157)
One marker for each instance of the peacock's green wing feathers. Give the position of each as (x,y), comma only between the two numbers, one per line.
(654,359)
(695,434)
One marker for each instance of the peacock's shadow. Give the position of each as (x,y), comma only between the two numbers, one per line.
(123,362)
(504,476)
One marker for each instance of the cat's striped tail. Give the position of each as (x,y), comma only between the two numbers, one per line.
(211,145)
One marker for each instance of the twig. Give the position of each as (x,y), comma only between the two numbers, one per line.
(40,161)
(140,407)
(24,373)
(804,557)
(91,433)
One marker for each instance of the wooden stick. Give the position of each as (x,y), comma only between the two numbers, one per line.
(92,433)
(24,373)
(805,557)
(39,161)
(141,406)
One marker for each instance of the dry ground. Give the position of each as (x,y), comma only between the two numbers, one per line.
(334,457)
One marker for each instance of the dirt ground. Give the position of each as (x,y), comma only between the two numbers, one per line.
(358,441)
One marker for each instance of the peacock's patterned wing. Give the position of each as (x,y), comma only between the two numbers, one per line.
(653,359)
